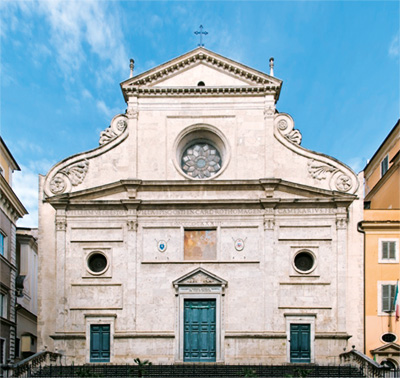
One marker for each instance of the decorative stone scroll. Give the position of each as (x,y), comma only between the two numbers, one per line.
(319,170)
(71,172)
(117,127)
(327,172)
(72,175)
(338,180)
(287,130)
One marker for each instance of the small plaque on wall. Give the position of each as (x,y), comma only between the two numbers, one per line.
(239,244)
(162,245)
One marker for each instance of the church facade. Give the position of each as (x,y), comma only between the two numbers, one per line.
(200,230)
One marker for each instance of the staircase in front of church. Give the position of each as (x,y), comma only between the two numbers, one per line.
(200,371)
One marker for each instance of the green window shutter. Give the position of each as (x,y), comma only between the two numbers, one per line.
(388,292)
(392,294)
(385,250)
(385,297)
(392,250)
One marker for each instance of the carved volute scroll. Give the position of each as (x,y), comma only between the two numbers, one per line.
(72,175)
(117,127)
(325,172)
(338,179)
(285,126)
(66,175)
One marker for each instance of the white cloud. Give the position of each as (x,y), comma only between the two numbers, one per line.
(109,112)
(78,29)
(26,187)
(86,94)
(39,53)
(357,164)
(394,47)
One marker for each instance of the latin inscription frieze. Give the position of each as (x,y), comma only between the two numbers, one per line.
(201,212)
(306,211)
(96,213)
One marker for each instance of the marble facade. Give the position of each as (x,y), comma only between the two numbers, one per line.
(200,149)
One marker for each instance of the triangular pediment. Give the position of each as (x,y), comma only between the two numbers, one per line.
(198,65)
(201,277)
(387,349)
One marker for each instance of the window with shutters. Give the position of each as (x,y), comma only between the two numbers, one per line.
(3,248)
(387,293)
(388,250)
(3,305)
(384,165)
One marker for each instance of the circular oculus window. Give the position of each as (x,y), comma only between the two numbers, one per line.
(201,160)
(304,262)
(202,152)
(389,337)
(97,263)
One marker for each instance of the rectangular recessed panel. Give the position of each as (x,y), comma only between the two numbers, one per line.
(200,244)
(96,296)
(108,234)
(299,232)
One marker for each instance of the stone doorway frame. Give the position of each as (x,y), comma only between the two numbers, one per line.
(199,284)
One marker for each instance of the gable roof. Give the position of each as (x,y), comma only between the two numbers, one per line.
(256,81)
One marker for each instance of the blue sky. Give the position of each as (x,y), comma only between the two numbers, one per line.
(62,61)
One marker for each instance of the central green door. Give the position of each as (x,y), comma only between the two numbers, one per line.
(100,343)
(199,330)
(300,346)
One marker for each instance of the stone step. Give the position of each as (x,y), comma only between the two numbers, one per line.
(199,371)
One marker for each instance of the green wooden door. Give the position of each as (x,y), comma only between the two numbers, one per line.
(100,343)
(199,330)
(300,346)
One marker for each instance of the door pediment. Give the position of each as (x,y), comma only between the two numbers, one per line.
(199,278)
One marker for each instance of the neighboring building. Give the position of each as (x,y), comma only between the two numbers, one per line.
(11,209)
(381,226)
(26,286)
(200,230)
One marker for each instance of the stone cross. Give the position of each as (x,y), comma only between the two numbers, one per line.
(201,32)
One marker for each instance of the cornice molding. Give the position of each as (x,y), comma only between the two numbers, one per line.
(257,82)
(395,166)
(202,91)
(9,201)
(267,185)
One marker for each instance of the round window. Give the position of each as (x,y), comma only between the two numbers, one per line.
(304,262)
(389,337)
(201,160)
(97,262)
(201,152)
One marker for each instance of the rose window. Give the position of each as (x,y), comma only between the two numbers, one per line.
(201,160)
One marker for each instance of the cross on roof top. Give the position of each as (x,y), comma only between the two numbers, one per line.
(201,32)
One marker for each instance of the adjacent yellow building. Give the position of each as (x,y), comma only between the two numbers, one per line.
(381,227)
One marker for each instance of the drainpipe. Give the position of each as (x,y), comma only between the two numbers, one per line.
(360,229)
